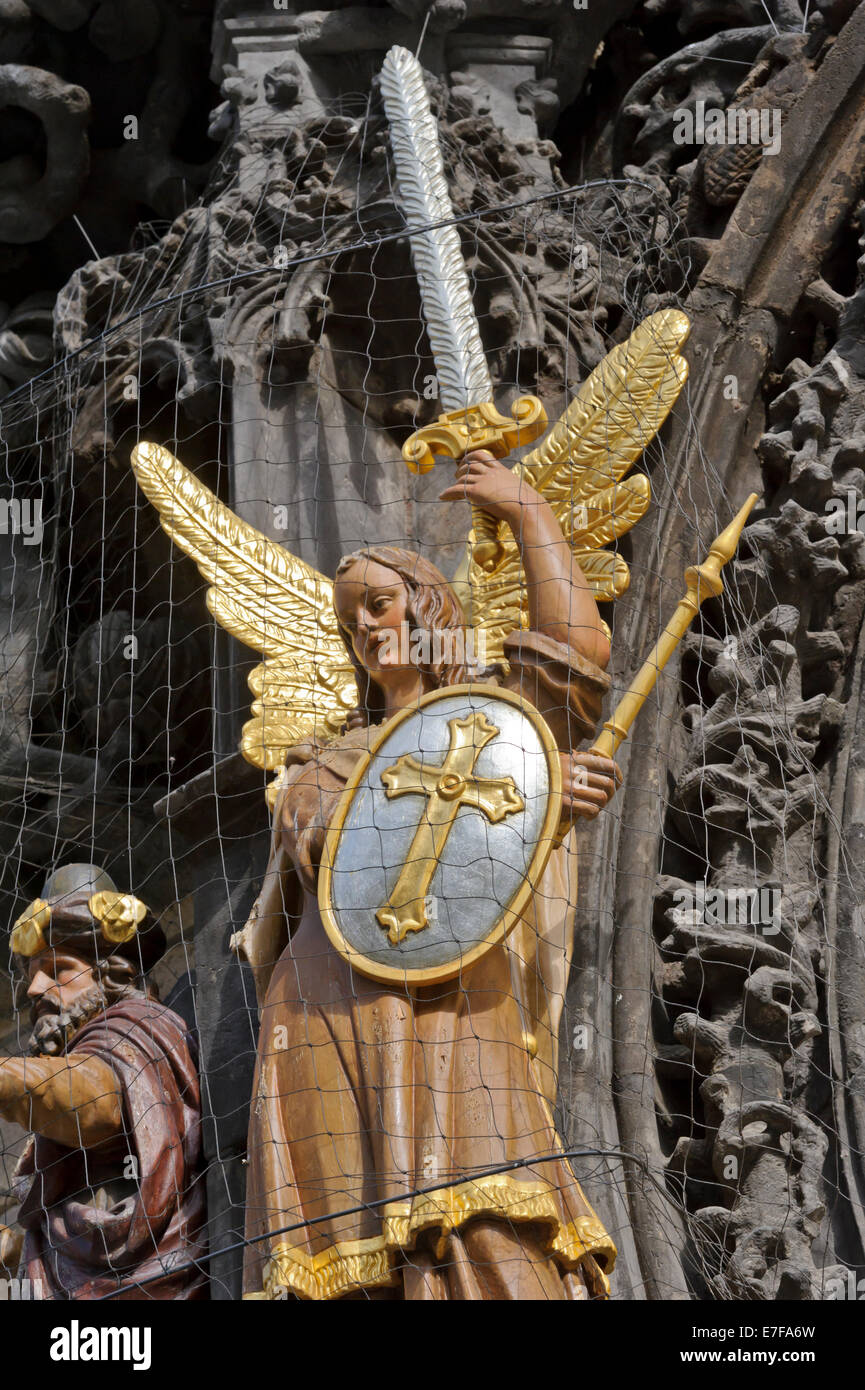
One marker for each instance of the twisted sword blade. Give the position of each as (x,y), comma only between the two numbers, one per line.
(436,254)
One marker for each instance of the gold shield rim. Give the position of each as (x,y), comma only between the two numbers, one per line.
(415,977)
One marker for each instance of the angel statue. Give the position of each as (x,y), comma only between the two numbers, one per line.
(400,1116)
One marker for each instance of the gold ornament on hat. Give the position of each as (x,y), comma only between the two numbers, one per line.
(119,914)
(28,930)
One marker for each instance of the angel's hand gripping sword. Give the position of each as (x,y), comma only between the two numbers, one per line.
(471,420)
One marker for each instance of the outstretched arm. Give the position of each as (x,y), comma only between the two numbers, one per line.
(75,1100)
(560,602)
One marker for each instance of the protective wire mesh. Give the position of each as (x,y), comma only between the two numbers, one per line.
(402,1144)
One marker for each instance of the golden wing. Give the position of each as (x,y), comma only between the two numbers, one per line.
(268,599)
(579,467)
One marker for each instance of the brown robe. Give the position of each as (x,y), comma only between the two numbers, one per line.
(364,1093)
(91,1228)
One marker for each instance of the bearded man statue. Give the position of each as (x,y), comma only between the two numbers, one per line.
(114,1202)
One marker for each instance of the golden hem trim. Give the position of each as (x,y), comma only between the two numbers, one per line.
(372,1263)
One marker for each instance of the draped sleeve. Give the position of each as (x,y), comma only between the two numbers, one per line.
(565,687)
(146,1239)
(311,782)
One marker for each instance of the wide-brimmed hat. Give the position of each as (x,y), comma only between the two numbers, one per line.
(81,909)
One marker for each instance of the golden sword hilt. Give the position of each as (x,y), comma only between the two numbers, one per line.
(702,581)
(478,427)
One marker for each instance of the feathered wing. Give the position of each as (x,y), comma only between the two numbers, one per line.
(282,608)
(265,597)
(580,468)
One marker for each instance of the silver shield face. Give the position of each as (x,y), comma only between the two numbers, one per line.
(440,834)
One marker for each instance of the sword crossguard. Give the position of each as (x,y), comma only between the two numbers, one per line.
(479,426)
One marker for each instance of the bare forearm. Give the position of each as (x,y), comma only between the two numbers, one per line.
(560,602)
(75,1100)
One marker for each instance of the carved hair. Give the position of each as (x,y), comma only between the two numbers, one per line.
(120,978)
(432,607)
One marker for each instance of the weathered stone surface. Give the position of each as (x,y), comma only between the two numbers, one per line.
(32,203)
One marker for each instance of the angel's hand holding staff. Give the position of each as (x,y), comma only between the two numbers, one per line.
(589,783)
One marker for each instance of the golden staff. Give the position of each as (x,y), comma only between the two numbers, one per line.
(702,580)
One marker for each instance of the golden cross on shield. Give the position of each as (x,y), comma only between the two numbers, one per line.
(446,787)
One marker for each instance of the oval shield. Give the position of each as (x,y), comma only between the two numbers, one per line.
(440,835)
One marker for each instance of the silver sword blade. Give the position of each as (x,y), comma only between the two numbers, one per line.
(437,257)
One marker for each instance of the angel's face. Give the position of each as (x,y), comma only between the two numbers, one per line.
(371,605)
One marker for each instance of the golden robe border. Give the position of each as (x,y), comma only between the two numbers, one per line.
(372,1263)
